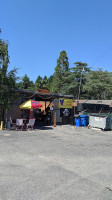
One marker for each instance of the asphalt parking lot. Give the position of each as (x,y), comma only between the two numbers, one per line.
(65,163)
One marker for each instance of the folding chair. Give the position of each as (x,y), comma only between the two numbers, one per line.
(19,124)
(30,124)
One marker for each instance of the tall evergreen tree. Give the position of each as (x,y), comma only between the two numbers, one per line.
(26,83)
(50,83)
(75,79)
(60,71)
(39,83)
(45,83)
(79,72)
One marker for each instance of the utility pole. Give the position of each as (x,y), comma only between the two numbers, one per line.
(80,83)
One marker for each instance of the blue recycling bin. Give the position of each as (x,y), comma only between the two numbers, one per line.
(84,120)
(76,117)
(78,122)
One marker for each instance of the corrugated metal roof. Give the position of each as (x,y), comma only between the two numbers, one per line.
(111,104)
(103,102)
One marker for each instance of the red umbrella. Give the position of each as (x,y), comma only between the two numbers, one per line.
(35,104)
(30,104)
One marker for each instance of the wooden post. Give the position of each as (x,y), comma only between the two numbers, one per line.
(45,104)
(55,120)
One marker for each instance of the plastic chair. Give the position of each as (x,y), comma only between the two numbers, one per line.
(30,124)
(19,124)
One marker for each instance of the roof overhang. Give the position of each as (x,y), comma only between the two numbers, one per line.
(99,102)
(41,96)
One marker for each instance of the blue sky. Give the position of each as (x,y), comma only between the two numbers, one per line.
(38,30)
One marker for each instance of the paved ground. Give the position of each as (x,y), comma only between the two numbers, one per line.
(56,164)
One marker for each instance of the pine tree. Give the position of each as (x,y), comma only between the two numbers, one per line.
(60,72)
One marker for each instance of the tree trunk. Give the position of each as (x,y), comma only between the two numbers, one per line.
(2,114)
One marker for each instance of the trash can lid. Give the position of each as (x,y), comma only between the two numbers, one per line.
(83,115)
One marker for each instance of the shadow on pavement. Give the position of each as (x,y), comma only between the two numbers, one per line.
(43,128)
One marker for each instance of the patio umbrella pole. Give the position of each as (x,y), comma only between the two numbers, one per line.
(30,113)
(30,104)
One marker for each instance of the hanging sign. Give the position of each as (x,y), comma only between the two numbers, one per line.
(65,112)
(45,91)
(65,103)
